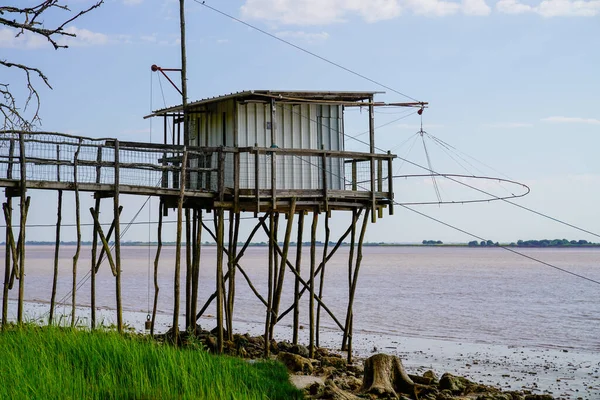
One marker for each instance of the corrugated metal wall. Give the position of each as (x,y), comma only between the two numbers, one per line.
(298,126)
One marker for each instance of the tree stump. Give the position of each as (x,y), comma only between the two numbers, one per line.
(385,377)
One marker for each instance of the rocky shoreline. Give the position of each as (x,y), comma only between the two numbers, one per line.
(328,375)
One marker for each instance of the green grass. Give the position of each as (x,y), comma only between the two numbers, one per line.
(58,363)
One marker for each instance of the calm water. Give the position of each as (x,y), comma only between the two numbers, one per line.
(471,295)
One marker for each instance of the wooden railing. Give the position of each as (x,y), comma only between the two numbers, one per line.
(53,159)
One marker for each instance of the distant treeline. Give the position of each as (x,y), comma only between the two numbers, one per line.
(474,243)
(538,243)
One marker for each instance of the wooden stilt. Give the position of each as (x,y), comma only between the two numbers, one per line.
(223,280)
(7,260)
(283,262)
(227,293)
(349,316)
(296,281)
(178,249)
(56,254)
(78,230)
(56,243)
(188,269)
(313,239)
(196,265)
(94,241)
(156,259)
(322,276)
(350,268)
(270,285)
(93,267)
(22,227)
(220,236)
(117,217)
(234,226)
(275,258)
(11,247)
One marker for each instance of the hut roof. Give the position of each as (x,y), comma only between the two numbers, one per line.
(290,96)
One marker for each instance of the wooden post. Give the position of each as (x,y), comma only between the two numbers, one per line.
(7,260)
(322,277)
(390,183)
(220,236)
(188,269)
(236,179)
(22,226)
(94,243)
(273,157)
(349,315)
(117,222)
(78,229)
(196,265)
(57,244)
(275,262)
(178,248)
(380,184)
(324,176)
(372,159)
(183,74)
(283,261)
(10,242)
(296,281)
(270,284)
(313,239)
(354,176)
(234,227)
(256,181)
(350,267)
(156,259)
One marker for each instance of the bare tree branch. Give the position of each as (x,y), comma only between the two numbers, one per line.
(27,20)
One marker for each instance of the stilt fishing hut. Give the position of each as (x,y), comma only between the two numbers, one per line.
(267,153)
(272,153)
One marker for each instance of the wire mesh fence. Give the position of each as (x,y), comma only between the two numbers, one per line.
(56,157)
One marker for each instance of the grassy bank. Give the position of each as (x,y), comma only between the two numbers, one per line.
(48,363)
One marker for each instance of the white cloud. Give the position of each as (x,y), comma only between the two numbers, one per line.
(9,40)
(304,36)
(434,8)
(513,7)
(572,120)
(508,125)
(476,7)
(322,12)
(319,12)
(29,40)
(132,2)
(84,37)
(552,8)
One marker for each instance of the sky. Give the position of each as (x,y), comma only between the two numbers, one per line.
(512,86)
